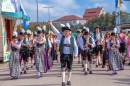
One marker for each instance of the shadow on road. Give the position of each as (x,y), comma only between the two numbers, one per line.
(123,81)
(42,85)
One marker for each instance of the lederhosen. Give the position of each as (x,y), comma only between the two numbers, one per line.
(86,54)
(32,50)
(24,51)
(122,45)
(98,48)
(66,59)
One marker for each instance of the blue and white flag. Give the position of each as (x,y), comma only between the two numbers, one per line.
(25,23)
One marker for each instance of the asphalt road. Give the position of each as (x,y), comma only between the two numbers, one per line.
(100,77)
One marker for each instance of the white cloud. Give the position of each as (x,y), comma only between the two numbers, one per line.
(60,9)
(124,8)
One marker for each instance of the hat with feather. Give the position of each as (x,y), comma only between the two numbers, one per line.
(44,29)
(65,27)
(39,30)
(15,34)
(22,31)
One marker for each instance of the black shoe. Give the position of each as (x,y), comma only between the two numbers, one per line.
(63,84)
(25,72)
(82,65)
(31,66)
(96,65)
(21,72)
(16,78)
(85,73)
(87,69)
(129,64)
(27,68)
(90,72)
(78,62)
(12,78)
(103,66)
(68,83)
(41,75)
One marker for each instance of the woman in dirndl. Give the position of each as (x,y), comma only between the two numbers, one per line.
(39,56)
(128,48)
(115,59)
(14,60)
(105,53)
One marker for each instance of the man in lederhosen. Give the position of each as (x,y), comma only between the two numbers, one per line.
(86,44)
(68,48)
(98,38)
(24,51)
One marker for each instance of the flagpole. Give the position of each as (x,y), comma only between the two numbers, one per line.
(37,13)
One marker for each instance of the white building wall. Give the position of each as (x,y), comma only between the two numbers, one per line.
(73,22)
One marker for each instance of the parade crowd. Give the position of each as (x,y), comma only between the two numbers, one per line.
(41,49)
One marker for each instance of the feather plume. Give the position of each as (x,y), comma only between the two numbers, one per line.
(44,27)
(15,33)
(68,25)
(62,25)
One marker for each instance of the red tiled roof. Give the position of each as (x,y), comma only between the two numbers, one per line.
(91,13)
(69,17)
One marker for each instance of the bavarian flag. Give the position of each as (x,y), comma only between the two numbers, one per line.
(118,3)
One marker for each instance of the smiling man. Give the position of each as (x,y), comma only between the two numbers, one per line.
(68,48)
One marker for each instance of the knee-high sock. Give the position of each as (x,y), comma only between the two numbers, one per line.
(78,57)
(90,66)
(63,76)
(97,60)
(24,67)
(69,75)
(85,66)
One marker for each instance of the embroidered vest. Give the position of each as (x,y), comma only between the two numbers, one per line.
(84,40)
(62,45)
(94,33)
(47,43)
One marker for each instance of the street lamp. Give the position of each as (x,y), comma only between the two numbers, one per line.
(37,13)
(49,12)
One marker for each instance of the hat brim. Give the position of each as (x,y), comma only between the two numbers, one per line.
(97,27)
(39,32)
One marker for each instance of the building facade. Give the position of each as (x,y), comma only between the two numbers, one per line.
(71,19)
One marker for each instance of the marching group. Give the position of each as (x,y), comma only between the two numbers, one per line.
(107,50)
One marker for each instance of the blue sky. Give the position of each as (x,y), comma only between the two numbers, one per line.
(68,7)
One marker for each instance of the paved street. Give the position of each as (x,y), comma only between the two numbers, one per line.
(100,77)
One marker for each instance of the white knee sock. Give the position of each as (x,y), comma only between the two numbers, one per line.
(69,75)
(85,66)
(90,66)
(97,61)
(63,76)
(24,67)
